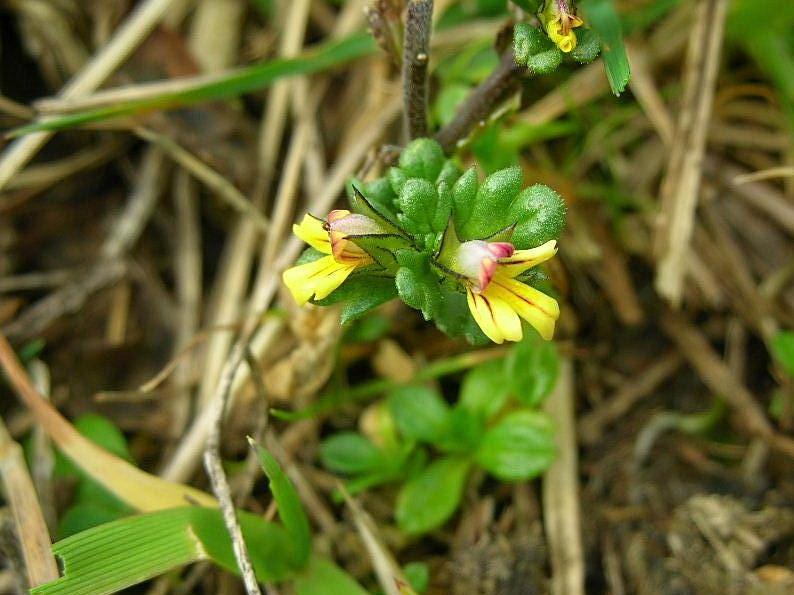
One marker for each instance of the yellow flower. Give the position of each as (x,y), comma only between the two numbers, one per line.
(317,279)
(560,20)
(498,301)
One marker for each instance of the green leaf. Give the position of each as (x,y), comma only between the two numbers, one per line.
(350,453)
(453,318)
(588,46)
(428,500)
(418,575)
(539,215)
(223,86)
(85,516)
(419,413)
(528,40)
(603,19)
(323,577)
(418,199)
(484,389)
(519,447)
(417,285)
(532,369)
(465,432)
(545,62)
(422,158)
(290,508)
(494,200)
(782,345)
(464,194)
(269,545)
(360,294)
(117,555)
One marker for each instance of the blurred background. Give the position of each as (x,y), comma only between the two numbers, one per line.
(146,228)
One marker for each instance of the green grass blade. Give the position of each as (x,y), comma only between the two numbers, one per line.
(113,556)
(603,18)
(290,509)
(229,85)
(123,553)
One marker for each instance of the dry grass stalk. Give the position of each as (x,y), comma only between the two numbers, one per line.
(681,185)
(561,509)
(128,37)
(31,528)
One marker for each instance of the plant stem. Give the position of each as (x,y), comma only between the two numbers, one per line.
(416,48)
(481,102)
(365,390)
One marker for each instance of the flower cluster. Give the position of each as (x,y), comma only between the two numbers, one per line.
(446,244)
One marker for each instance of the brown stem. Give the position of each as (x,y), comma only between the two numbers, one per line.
(481,102)
(416,48)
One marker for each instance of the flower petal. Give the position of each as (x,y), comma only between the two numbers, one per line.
(316,279)
(495,316)
(537,308)
(483,313)
(523,260)
(311,231)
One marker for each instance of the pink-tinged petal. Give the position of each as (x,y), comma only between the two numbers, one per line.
(477,260)
(312,231)
(501,249)
(336,215)
(523,260)
(353,224)
(341,225)
(486,273)
(316,279)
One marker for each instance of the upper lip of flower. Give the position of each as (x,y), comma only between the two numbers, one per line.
(477,261)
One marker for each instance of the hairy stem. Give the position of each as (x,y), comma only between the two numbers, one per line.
(416,48)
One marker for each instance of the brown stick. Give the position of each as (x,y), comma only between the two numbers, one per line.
(502,82)
(416,48)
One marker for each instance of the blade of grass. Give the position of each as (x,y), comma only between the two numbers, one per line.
(603,18)
(289,505)
(230,84)
(117,555)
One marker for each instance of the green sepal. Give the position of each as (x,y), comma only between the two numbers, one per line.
(360,204)
(379,194)
(539,214)
(360,294)
(382,248)
(448,247)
